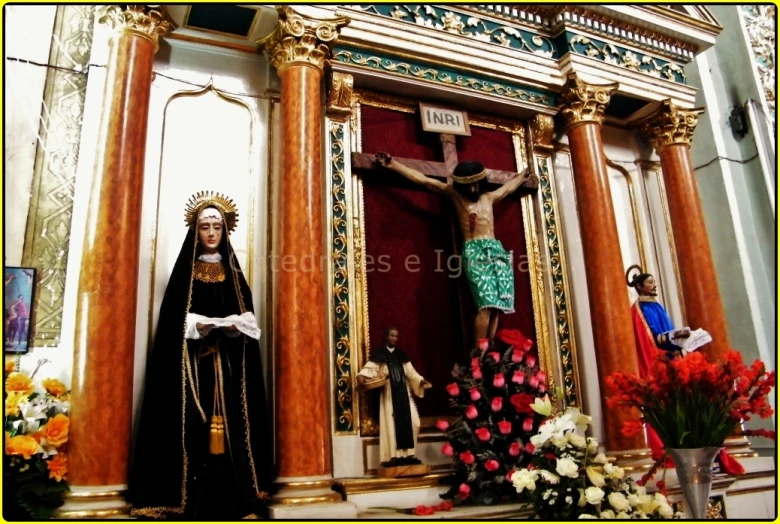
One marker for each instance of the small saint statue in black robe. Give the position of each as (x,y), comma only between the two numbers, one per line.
(399,422)
(203,448)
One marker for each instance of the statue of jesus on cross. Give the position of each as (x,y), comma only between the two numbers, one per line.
(488,267)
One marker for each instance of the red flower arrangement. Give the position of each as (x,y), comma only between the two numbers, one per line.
(693,403)
(490,440)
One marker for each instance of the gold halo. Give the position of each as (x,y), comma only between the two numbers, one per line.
(203,199)
(628,272)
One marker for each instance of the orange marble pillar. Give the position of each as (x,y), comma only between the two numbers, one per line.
(613,335)
(102,387)
(670,130)
(299,49)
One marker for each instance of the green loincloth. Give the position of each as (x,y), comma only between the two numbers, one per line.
(489,271)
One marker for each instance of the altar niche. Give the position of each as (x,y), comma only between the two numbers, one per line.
(407,242)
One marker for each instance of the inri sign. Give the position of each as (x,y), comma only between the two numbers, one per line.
(440,120)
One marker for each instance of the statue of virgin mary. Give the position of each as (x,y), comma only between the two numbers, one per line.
(204,448)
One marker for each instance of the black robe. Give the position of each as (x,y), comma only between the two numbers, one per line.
(402,412)
(173,474)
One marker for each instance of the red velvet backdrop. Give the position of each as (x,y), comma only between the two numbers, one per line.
(411,233)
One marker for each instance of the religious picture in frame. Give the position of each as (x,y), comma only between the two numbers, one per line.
(17,305)
(442,120)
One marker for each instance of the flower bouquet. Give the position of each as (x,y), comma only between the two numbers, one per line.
(36,431)
(490,438)
(568,479)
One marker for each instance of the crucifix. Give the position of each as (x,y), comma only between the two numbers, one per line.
(488,267)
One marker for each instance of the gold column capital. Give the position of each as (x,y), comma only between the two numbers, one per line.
(542,127)
(141,20)
(340,90)
(583,102)
(671,125)
(301,40)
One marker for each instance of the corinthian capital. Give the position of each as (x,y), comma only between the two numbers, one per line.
(583,102)
(671,125)
(141,20)
(301,40)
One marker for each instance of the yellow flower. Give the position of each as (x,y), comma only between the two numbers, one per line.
(10,365)
(20,383)
(54,387)
(23,445)
(56,430)
(12,402)
(58,467)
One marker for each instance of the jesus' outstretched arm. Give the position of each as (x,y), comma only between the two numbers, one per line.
(509,187)
(412,174)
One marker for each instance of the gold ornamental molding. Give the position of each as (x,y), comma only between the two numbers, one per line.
(542,127)
(301,40)
(340,96)
(140,20)
(582,102)
(671,125)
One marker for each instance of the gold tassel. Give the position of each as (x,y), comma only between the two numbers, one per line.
(217,434)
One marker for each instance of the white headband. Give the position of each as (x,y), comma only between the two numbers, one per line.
(210,212)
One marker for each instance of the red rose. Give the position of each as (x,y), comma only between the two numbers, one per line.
(530,361)
(518,377)
(498,380)
(528,424)
(491,465)
(514,449)
(497,404)
(541,376)
(529,448)
(483,344)
(514,338)
(517,355)
(533,382)
(453,389)
(445,505)
(447,449)
(463,491)
(496,357)
(471,412)
(522,402)
(475,363)
(550,456)
(542,388)
(509,475)
(483,434)
(467,457)
(475,394)
(477,374)
(505,427)
(442,425)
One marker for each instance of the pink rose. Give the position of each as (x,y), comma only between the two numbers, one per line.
(533,382)
(483,434)
(491,465)
(442,425)
(476,373)
(467,457)
(517,356)
(498,380)
(518,377)
(505,427)
(497,404)
(528,424)
(529,448)
(530,361)
(475,394)
(495,356)
(464,490)
(475,363)
(509,475)
(447,449)
(541,376)
(514,449)
(453,389)
(471,412)
(542,388)
(483,344)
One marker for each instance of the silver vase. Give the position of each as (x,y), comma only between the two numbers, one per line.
(694,470)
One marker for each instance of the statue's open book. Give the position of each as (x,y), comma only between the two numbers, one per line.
(697,339)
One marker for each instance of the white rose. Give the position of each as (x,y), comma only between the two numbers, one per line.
(567,468)
(594,476)
(576,440)
(594,495)
(618,501)
(600,459)
(593,445)
(623,516)
(586,516)
(666,511)
(525,479)
(633,500)
(660,498)
(607,514)
(549,476)
(559,440)
(613,471)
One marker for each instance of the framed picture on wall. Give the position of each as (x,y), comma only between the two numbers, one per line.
(17,306)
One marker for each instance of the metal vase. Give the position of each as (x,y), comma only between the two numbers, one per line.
(694,470)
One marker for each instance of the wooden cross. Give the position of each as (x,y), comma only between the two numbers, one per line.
(443,169)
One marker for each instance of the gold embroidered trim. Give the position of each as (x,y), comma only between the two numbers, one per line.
(208,272)
(647,298)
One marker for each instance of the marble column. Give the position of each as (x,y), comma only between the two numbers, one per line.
(582,112)
(298,49)
(102,388)
(670,130)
